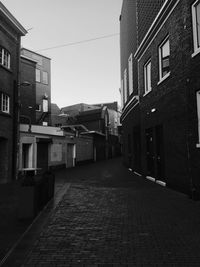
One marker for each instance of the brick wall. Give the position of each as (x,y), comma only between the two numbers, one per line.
(128,38)
(28,93)
(147,11)
(8,85)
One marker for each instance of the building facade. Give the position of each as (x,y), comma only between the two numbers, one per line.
(161,128)
(10,38)
(42,107)
(27,90)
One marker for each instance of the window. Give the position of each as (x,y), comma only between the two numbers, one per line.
(130,73)
(147,77)
(122,93)
(4,58)
(45,77)
(164,53)
(37,74)
(5,103)
(45,105)
(196,25)
(27,155)
(125,85)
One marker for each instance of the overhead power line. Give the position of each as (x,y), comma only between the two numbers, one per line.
(79,42)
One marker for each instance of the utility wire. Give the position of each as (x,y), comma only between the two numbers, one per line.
(79,42)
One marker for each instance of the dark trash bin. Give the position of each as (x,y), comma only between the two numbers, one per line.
(34,193)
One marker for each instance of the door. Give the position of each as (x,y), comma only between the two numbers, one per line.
(70,155)
(42,156)
(159,152)
(4,160)
(136,149)
(155,152)
(150,157)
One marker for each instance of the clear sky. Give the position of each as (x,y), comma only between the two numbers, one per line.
(84,73)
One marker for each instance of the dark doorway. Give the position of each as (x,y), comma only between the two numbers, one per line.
(150,152)
(70,155)
(155,152)
(42,156)
(4,160)
(159,152)
(136,149)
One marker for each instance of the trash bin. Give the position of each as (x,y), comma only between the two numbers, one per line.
(34,193)
(28,196)
(50,180)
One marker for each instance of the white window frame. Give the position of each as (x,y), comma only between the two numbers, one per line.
(125,85)
(5,58)
(130,73)
(37,75)
(45,77)
(5,103)
(147,79)
(196,42)
(161,77)
(45,105)
(122,93)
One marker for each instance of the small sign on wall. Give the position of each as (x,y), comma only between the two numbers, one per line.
(56,152)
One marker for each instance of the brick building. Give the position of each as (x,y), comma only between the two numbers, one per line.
(42,83)
(27,90)
(10,38)
(160,91)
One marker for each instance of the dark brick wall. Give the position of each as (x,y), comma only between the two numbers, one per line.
(128,38)
(28,93)
(8,85)
(147,11)
(174,100)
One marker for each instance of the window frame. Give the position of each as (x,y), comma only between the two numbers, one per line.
(122,93)
(37,75)
(196,39)
(130,73)
(46,80)
(161,76)
(147,88)
(5,103)
(125,86)
(5,58)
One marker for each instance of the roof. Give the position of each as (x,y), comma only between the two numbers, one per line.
(33,52)
(12,20)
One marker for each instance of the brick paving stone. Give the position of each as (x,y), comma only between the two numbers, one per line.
(111,217)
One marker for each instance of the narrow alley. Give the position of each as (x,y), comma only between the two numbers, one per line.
(104,215)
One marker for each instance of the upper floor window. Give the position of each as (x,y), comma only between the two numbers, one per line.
(164,53)
(125,86)
(196,25)
(4,58)
(122,93)
(4,103)
(45,105)
(130,74)
(147,77)
(45,77)
(37,74)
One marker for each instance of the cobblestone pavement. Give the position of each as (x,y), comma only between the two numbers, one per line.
(111,217)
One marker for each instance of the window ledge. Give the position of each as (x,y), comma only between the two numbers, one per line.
(164,78)
(5,68)
(147,92)
(6,114)
(196,52)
